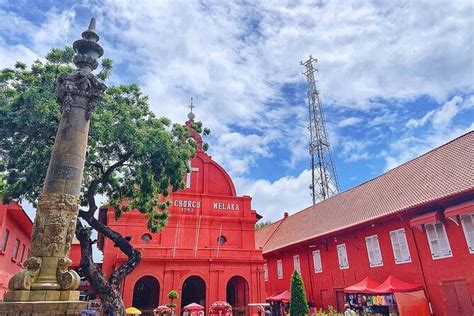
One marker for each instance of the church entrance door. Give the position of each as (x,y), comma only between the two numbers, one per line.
(145,294)
(194,291)
(238,293)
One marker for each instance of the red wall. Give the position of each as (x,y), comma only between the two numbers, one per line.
(323,286)
(14,219)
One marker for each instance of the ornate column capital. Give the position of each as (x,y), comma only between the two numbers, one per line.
(82,82)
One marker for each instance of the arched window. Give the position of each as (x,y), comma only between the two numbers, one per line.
(146,238)
(221,239)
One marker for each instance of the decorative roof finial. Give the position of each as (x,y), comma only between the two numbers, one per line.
(191,115)
(87,48)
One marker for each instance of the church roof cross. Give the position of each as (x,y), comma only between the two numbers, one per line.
(188,175)
(191,115)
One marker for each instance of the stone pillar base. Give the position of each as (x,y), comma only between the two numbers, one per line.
(41,295)
(42,308)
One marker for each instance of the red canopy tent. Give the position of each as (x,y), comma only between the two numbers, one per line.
(284,296)
(367,285)
(410,297)
(392,285)
(273,294)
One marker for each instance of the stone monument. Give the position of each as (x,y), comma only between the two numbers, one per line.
(45,286)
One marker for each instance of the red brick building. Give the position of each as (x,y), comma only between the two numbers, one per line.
(206,252)
(15,233)
(415,222)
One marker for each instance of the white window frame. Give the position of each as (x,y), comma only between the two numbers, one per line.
(297,263)
(280,269)
(441,256)
(470,243)
(373,247)
(400,235)
(317,258)
(265,272)
(342,247)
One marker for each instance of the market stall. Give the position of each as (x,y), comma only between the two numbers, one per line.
(392,297)
(279,303)
(282,297)
(133,311)
(163,310)
(193,309)
(258,308)
(410,298)
(220,308)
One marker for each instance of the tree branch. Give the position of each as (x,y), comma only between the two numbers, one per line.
(91,191)
(87,265)
(133,255)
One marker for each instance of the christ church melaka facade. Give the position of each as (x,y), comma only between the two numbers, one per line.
(415,222)
(206,252)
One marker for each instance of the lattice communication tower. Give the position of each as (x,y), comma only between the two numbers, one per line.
(324,182)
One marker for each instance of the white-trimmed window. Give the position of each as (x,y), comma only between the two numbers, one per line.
(3,244)
(16,246)
(318,267)
(373,251)
(265,272)
(280,269)
(467,221)
(438,240)
(296,263)
(401,252)
(342,256)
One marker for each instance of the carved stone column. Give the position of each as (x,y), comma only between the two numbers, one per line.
(46,276)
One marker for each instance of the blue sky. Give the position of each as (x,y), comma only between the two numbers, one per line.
(396,77)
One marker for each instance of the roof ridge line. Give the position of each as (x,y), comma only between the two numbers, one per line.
(389,171)
(274,231)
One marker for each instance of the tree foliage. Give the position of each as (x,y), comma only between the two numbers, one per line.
(298,303)
(262,224)
(133,158)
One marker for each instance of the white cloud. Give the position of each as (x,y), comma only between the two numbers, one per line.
(354,150)
(236,58)
(442,118)
(350,121)
(440,131)
(414,123)
(13,53)
(55,30)
(271,199)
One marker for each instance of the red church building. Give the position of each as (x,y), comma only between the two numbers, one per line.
(206,252)
(415,222)
(15,233)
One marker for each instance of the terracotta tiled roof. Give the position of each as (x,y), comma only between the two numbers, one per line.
(263,234)
(442,172)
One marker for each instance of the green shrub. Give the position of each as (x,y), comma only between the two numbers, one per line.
(172,295)
(298,303)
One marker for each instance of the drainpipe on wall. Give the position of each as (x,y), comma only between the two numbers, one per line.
(308,250)
(419,261)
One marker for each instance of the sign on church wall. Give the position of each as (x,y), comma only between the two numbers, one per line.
(187,205)
(219,206)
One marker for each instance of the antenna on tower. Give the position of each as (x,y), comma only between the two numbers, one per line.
(324,180)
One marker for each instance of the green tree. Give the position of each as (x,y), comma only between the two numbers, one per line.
(132,156)
(262,225)
(172,295)
(298,303)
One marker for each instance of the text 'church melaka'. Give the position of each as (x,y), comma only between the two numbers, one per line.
(206,252)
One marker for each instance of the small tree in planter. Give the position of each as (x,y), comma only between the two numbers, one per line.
(172,295)
(298,303)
